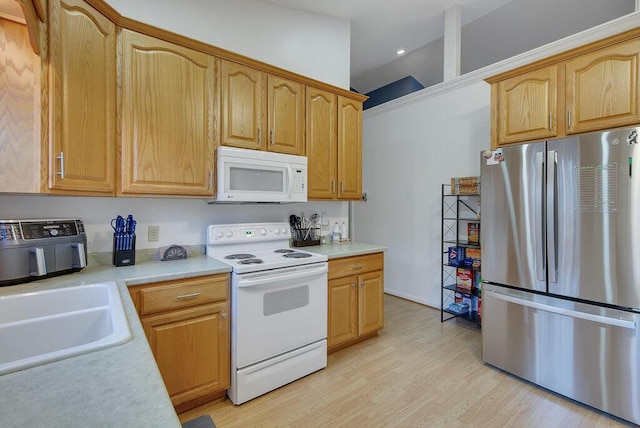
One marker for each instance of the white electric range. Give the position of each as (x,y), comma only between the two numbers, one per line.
(278,306)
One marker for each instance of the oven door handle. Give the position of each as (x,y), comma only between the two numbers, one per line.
(252,280)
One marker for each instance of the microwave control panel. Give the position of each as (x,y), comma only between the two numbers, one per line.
(299,181)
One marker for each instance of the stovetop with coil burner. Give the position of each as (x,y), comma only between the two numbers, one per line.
(254,247)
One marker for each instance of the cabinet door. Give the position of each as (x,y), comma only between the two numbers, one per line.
(370,302)
(321,141)
(168,100)
(286,116)
(602,88)
(343,319)
(349,149)
(82,85)
(244,110)
(191,348)
(528,106)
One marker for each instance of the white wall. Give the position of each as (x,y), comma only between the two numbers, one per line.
(181,221)
(315,46)
(408,153)
(415,143)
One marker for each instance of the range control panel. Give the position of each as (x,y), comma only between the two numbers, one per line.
(236,233)
(39,229)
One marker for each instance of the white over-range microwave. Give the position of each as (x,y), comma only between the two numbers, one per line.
(256,176)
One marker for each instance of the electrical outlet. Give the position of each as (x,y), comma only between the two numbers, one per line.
(153,234)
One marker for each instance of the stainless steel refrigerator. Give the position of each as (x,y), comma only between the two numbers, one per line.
(561,266)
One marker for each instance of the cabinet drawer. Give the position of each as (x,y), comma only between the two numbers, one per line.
(355,265)
(183,293)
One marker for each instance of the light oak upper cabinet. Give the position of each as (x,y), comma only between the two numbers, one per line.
(243,110)
(286,113)
(349,148)
(261,111)
(322,143)
(528,106)
(355,299)
(187,325)
(169,101)
(593,89)
(82,92)
(602,88)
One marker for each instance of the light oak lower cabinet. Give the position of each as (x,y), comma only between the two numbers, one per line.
(187,325)
(356,299)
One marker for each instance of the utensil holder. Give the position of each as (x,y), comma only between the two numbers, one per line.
(124,257)
(305,237)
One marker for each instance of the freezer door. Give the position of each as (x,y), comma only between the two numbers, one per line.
(593,217)
(512,229)
(585,352)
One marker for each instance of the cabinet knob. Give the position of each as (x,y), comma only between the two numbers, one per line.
(223,315)
(362,284)
(353,285)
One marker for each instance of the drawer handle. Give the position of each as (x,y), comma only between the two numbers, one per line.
(188,296)
(357,267)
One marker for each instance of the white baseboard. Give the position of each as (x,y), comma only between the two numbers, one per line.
(434,305)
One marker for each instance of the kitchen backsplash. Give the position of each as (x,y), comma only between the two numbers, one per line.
(181,221)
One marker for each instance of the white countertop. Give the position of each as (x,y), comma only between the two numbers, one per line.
(118,386)
(339,250)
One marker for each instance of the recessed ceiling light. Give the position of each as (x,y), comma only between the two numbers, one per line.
(400,51)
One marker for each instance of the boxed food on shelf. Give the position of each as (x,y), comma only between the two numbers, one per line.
(472,258)
(456,256)
(457,297)
(477,280)
(464,279)
(458,308)
(473,232)
(468,302)
(465,185)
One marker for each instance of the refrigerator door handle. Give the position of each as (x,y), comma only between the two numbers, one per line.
(539,219)
(552,216)
(563,311)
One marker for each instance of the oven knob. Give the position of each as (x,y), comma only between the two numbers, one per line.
(276,231)
(284,230)
(228,233)
(53,232)
(219,233)
(263,231)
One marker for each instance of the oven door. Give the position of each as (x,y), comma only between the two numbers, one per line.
(277,311)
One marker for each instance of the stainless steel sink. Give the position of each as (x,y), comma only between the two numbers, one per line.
(45,326)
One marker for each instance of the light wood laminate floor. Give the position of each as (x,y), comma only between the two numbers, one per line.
(416,373)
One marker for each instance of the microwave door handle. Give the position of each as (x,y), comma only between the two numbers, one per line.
(288,182)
